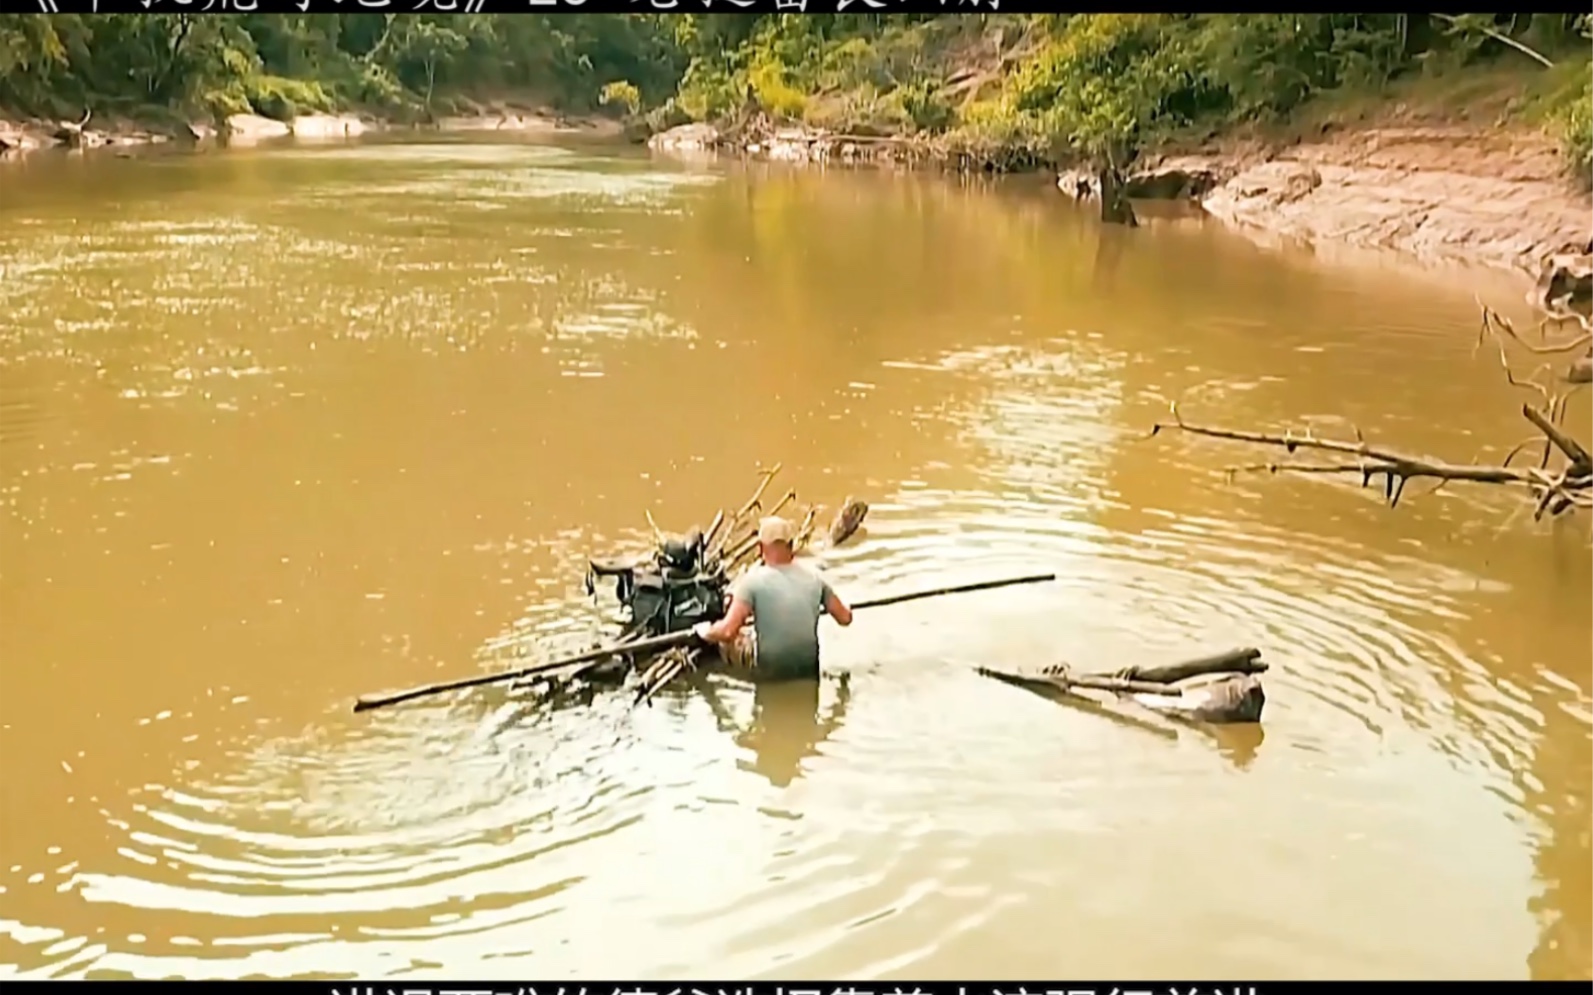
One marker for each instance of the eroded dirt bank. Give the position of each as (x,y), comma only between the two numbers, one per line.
(1496,197)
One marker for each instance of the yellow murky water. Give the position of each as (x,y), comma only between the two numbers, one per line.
(279,427)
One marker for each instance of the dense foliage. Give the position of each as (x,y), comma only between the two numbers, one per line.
(1021,88)
(1026,88)
(279,65)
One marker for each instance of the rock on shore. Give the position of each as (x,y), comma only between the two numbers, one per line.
(688,138)
(761,140)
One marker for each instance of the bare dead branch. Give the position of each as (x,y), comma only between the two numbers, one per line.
(658,533)
(1581,462)
(1561,313)
(753,504)
(713,529)
(1549,491)
(1577,374)
(1493,321)
(1521,447)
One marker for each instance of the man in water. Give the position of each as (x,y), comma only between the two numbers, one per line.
(784,600)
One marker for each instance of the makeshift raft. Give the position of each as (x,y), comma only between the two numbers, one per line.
(685,579)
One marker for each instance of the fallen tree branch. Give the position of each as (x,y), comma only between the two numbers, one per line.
(1246,660)
(1581,461)
(1551,493)
(753,503)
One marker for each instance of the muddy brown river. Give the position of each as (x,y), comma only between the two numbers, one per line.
(282,426)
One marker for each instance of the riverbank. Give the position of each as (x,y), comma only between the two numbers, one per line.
(1448,192)
(20,135)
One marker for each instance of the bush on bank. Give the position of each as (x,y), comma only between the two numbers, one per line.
(281,64)
(1018,90)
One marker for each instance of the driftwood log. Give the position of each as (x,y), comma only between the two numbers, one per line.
(1220,689)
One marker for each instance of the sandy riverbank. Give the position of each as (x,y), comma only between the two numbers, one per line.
(1496,197)
(29,135)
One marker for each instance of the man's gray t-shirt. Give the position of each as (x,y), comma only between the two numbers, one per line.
(786,601)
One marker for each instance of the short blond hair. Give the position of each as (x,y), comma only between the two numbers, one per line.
(775,529)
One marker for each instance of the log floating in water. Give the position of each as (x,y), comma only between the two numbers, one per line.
(1228,698)
(1063,681)
(1239,661)
(1231,693)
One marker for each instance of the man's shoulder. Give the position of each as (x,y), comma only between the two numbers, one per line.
(810,569)
(754,578)
(807,574)
(763,575)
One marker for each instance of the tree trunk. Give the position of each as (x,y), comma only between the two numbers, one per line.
(157,86)
(1418,35)
(1115,208)
(381,43)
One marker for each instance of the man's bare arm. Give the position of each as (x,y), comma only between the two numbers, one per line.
(837,609)
(727,628)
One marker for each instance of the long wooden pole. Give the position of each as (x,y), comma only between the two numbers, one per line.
(652,645)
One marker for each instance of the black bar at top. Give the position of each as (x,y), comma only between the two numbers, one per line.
(401,987)
(546,6)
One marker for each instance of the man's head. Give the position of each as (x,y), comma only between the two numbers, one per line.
(775,536)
